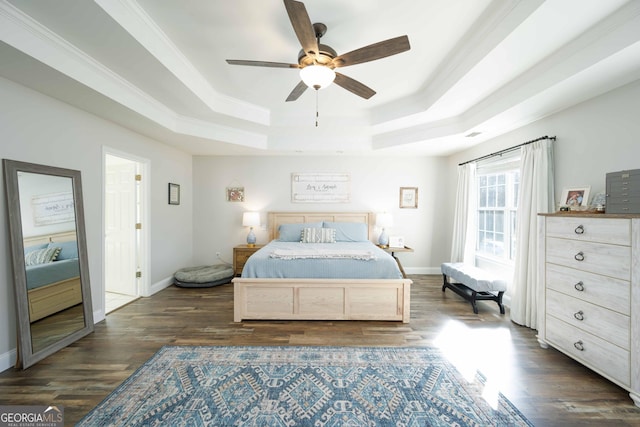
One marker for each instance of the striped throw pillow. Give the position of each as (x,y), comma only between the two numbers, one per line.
(41,256)
(318,235)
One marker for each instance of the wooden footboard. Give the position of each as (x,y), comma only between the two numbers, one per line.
(322,299)
(53,298)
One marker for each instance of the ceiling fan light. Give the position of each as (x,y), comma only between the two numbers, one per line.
(317,76)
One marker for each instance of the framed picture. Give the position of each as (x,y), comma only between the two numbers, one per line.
(409,197)
(174,194)
(235,194)
(396,242)
(575,197)
(320,187)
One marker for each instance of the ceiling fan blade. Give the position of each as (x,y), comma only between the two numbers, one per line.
(354,86)
(373,52)
(297,91)
(302,26)
(262,63)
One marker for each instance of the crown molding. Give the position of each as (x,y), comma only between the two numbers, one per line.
(498,21)
(32,38)
(139,25)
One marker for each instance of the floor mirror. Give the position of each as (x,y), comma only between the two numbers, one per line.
(49,258)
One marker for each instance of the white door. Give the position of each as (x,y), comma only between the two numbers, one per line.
(120,226)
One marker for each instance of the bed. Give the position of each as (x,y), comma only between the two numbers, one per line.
(52,286)
(291,294)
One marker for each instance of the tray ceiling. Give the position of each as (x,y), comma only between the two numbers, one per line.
(158,68)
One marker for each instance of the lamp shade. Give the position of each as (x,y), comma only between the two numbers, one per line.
(251,219)
(317,76)
(384,220)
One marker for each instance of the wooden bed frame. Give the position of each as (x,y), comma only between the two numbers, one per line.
(47,300)
(321,299)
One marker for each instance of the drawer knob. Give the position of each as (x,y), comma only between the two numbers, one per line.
(579,256)
(579,286)
(579,345)
(579,315)
(579,229)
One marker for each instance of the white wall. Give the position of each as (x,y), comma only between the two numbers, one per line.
(595,137)
(39,129)
(375,186)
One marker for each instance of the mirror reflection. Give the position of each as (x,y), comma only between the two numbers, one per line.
(52,269)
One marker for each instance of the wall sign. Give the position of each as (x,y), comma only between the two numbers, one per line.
(320,188)
(53,208)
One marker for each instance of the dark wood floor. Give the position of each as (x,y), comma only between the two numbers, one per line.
(548,387)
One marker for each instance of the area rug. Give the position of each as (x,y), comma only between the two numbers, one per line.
(300,386)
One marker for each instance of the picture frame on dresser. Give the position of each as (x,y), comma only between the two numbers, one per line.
(575,197)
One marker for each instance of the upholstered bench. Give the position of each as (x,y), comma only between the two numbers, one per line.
(203,276)
(473,284)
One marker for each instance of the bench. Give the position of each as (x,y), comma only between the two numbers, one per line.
(473,284)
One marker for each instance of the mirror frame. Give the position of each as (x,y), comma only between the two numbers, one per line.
(26,356)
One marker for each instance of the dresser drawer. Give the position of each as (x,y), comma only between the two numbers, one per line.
(607,292)
(606,324)
(596,353)
(600,258)
(613,230)
(623,205)
(625,183)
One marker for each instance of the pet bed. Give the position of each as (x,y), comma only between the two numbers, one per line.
(203,276)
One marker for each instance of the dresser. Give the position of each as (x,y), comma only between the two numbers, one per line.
(590,292)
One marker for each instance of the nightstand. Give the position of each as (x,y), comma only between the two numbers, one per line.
(393,250)
(241,254)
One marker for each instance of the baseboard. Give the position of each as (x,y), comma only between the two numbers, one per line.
(98,316)
(422,270)
(8,359)
(158,286)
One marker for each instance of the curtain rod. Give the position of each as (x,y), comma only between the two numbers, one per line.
(507,150)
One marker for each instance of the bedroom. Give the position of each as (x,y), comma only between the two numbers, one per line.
(595,136)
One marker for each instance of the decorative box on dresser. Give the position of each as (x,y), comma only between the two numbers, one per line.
(590,292)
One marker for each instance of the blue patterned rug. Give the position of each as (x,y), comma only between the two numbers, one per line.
(300,386)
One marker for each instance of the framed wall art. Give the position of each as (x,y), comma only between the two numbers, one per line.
(174,194)
(409,197)
(235,194)
(320,188)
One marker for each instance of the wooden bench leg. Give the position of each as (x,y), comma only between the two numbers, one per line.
(444,282)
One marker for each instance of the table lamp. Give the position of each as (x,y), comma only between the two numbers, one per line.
(251,219)
(383,220)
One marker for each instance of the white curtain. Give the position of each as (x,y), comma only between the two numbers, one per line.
(536,196)
(463,244)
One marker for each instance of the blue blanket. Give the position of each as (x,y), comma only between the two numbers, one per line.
(52,272)
(380,265)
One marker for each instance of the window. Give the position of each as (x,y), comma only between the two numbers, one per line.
(498,186)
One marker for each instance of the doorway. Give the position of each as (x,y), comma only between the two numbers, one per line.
(124,251)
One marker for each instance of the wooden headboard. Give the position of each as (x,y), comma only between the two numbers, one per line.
(274,219)
(65,236)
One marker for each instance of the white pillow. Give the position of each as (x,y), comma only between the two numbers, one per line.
(318,235)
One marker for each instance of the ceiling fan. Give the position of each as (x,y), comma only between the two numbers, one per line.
(317,61)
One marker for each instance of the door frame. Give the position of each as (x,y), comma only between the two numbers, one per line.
(144,286)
